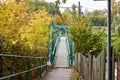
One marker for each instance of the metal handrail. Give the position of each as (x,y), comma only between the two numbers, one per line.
(13,75)
(55,47)
(17,56)
(70,52)
(68,47)
(26,71)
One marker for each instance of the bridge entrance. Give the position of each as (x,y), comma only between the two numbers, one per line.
(60,45)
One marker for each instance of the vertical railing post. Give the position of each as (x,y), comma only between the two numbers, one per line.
(1,61)
(46,65)
(55,48)
(72,52)
(28,68)
(77,66)
(90,64)
(75,61)
(68,46)
(40,69)
(50,42)
(50,47)
(1,66)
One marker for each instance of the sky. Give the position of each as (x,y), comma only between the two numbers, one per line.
(89,5)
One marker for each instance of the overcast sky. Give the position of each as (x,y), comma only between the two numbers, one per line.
(90,5)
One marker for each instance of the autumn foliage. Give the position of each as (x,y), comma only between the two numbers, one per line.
(22,32)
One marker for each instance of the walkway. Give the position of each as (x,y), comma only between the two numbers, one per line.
(61,70)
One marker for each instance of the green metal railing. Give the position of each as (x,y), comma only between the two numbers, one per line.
(53,46)
(70,47)
(28,69)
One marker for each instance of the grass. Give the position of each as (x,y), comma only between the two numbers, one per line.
(76,77)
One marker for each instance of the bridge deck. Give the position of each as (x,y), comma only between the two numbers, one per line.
(61,59)
(61,70)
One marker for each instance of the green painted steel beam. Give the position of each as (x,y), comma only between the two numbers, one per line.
(55,47)
(51,49)
(72,52)
(61,27)
(55,31)
(52,24)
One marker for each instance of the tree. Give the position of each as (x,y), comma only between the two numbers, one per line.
(58,2)
(64,20)
(58,20)
(97,12)
(98,20)
(115,16)
(118,31)
(74,13)
(67,10)
(13,16)
(22,33)
(114,7)
(105,11)
(85,38)
(52,8)
(36,34)
(67,18)
(88,13)
(118,7)
(39,4)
